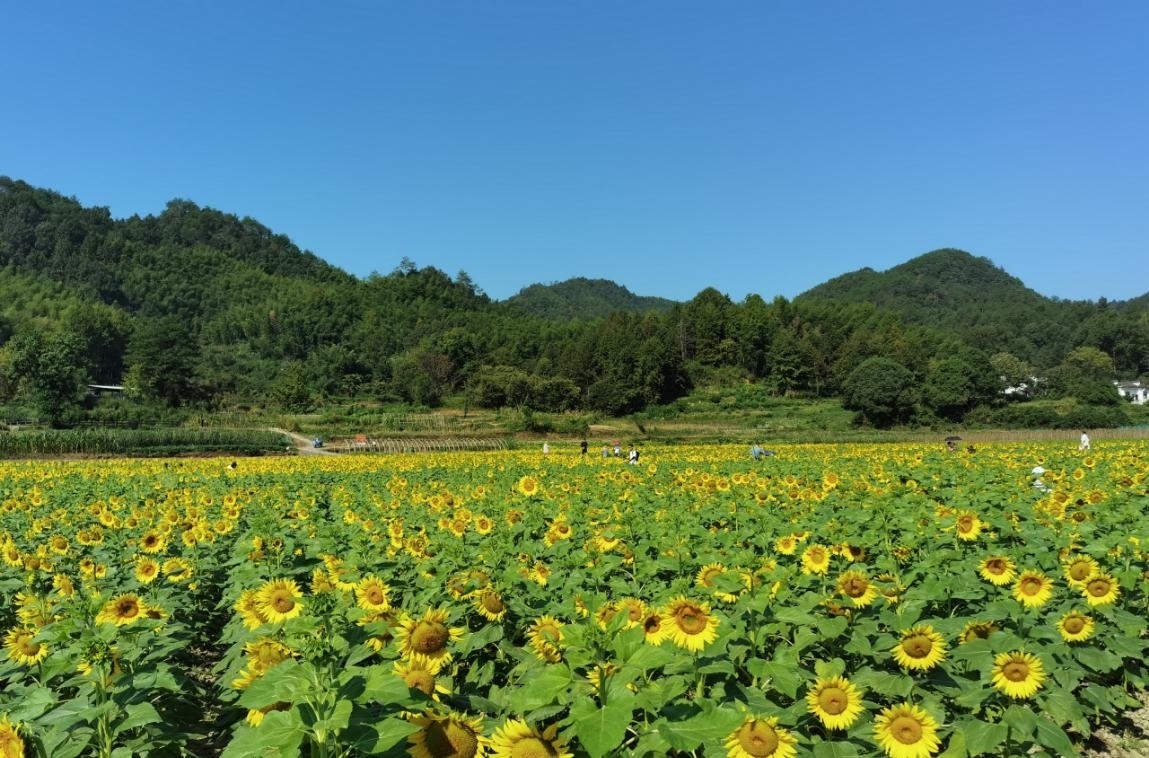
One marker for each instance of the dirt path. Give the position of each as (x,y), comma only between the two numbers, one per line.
(303,444)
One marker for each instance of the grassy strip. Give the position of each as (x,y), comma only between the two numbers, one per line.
(139,442)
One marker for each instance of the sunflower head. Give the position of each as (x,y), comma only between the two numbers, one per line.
(1075,627)
(22,647)
(1018,674)
(998,570)
(490,604)
(279,600)
(835,701)
(122,610)
(1033,589)
(1101,589)
(857,588)
(690,624)
(1079,569)
(11,743)
(977,630)
(517,738)
(372,594)
(528,486)
(906,731)
(920,648)
(446,736)
(758,737)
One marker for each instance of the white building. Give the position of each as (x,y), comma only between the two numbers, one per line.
(1135,392)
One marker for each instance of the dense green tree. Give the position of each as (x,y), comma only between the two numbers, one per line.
(1013,374)
(163,355)
(49,367)
(293,391)
(421,376)
(882,391)
(102,334)
(703,327)
(953,387)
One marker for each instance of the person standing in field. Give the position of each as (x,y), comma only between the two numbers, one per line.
(1083,446)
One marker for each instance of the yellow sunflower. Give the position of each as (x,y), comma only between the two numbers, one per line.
(178,570)
(1079,569)
(22,647)
(528,486)
(490,605)
(153,542)
(1101,589)
(262,655)
(255,715)
(372,594)
(787,544)
(906,731)
(63,585)
(517,739)
(920,648)
(59,544)
(446,736)
(690,624)
(816,560)
(998,570)
(977,630)
(122,610)
(1018,674)
(11,743)
(968,526)
(279,600)
(859,589)
(248,609)
(835,701)
(421,674)
(427,636)
(147,569)
(655,627)
(708,575)
(759,737)
(545,637)
(1075,627)
(1033,589)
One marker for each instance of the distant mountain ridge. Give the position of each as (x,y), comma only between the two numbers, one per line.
(947,287)
(585,299)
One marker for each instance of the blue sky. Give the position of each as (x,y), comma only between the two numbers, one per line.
(754,147)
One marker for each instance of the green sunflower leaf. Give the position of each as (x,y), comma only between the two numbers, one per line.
(980,737)
(601,730)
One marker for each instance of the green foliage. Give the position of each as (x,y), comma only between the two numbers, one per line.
(50,365)
(1049,415)
(882,391)
(137,442)
(583,299)
(162,357)
(197,306)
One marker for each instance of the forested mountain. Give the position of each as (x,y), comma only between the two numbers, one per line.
(969,296)
(585,299)
(197,308)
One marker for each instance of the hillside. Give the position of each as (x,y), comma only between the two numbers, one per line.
(197,308)
(585,299)
(948,288)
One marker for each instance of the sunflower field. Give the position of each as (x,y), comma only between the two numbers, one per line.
(830,601)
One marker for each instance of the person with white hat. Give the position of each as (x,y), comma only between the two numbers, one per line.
(1038,483)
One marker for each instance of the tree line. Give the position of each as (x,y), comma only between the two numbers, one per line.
(195,309)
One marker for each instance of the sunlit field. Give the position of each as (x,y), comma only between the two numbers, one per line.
(830,601)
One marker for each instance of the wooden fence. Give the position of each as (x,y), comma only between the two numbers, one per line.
(364,444)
